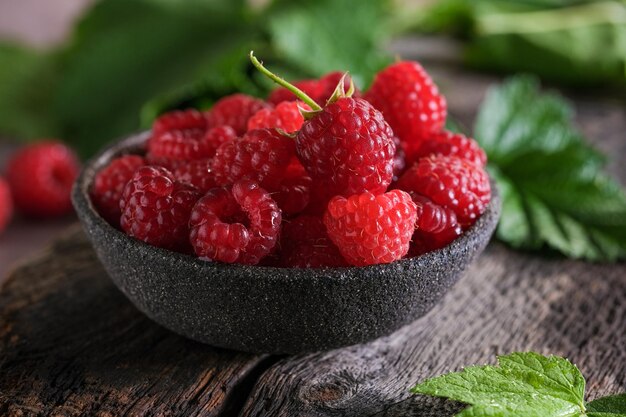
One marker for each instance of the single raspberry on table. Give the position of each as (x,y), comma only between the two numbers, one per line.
(410,102)
(6,204)
(450,144)
(371,229)
(109,184)
(234,111)
(186,135)
(240,224)
(41,177)
(293,194)
(197,173)
(437,226)
(451,182)
(156,208)
(285,116)
(305,244)
(261,155)
(312,88)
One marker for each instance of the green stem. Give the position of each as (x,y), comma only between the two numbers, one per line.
(295,90)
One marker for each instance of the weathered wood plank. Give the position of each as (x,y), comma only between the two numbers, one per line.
(71,345)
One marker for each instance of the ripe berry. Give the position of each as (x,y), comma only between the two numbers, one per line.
(41,177)
(261,155)
(293,194)
(109,184)
(371,229)
(312,88)
(156,208)
(349,147)
(185,135)
(234,111)
(197,173)
(410,102)
(450,144)
(450,182)
(437,226)
(399,160)
(305,244)
(235,225)
(285,116)
(6,204)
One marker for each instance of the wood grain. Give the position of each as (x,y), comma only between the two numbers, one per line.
(71,345)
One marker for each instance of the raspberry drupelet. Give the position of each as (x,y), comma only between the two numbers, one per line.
(437,226)
(235,111)
(450,144)
(286,116)
(239,224)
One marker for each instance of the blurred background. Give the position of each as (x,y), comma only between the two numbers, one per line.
(90,71)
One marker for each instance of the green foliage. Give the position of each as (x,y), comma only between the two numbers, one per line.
(554,191)
(523,384)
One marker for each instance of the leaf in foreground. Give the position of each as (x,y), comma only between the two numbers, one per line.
(524,384)
(554,190)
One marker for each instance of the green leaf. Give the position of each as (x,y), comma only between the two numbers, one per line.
(27,82)
(126,53)
(524,384)
(554,190)
(613,406)
(327,35)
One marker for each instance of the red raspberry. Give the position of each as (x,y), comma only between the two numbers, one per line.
(237,225)
(197,173)
(234,111)
(312,88)
(109,184)
(305,244)
(436,226)
(167,163)
(190,121)
(156,208)
(6,204)
(329,83)
(399,160)
(410,102)
(450,144)
(41,177)
(294,192)
(285,116)
(450,182)
(188,136)
(349,147)
(371,229)
(261,155)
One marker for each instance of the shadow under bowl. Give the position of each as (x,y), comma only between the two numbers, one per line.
(267,309)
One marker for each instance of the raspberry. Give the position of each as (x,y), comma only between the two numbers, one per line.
(305,244)
(329,83)
(294,191)
(234,111)
(349,147)
(312,88)
(436,226)
(450,144)
(410,102)
(371,229)
(235,225)
(6,204)
(197,173)
(185,135)
(156,208)
(261,155)
(399,160)
(109,184)
(161,161)
(41,177)
(285,116)
(450,182)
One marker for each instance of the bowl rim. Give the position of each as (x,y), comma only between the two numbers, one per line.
(132,145)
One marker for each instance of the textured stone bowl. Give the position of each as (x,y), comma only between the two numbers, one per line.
(266,309)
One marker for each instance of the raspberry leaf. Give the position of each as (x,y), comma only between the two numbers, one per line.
(523,384)
(555,193)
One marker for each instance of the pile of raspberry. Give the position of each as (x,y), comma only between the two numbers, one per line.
(318,175)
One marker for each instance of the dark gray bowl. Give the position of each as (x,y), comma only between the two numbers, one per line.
(266,309)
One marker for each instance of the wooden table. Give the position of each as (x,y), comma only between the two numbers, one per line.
(72,345)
